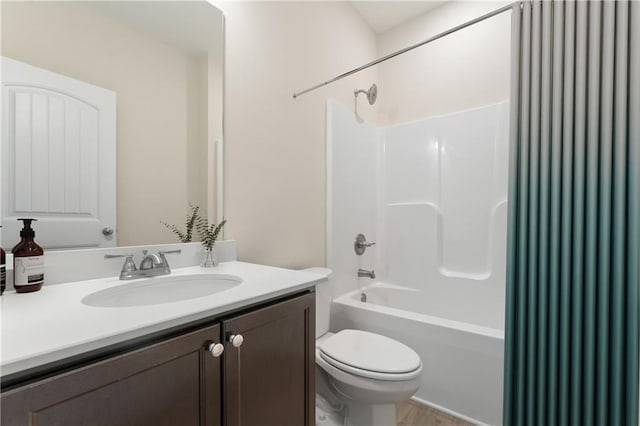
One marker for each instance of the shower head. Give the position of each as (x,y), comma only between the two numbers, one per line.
(372,93)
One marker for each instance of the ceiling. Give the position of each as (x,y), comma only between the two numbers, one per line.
(195,27)
(385,15)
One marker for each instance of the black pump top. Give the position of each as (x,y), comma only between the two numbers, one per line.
(27,231)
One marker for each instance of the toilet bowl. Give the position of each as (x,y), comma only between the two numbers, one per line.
(361,368)
(360,375)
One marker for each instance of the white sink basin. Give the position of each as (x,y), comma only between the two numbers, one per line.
(159,290)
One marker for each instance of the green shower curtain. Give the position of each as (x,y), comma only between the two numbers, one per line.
(571,338)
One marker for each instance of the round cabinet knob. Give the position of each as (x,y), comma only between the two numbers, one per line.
(236,340)
(216,349)
(107,231)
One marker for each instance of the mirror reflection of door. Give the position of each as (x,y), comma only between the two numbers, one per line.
(58,158)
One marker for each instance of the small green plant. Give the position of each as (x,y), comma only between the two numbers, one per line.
(208,232)
(190,222)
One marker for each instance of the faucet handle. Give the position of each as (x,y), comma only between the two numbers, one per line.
(178,251)
(361,244)
(113,256)
(128,266)
(163,259)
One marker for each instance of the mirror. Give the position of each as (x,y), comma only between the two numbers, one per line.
(111,119)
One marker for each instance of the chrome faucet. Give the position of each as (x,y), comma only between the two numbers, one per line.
(155,262)
(151,265)
(364,273)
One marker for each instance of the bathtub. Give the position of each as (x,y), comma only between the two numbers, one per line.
(463,363)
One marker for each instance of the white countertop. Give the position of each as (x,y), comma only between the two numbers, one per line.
(53,324)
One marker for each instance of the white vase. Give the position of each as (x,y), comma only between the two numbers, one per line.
(209,257)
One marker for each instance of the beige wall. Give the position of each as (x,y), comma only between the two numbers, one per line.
(275,159)
(275,175)
(463,70)
(161,131)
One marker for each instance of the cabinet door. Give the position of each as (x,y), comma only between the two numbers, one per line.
(270,379)
(174,382)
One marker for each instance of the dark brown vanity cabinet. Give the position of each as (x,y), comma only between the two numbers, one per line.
(268,379)
(174,382)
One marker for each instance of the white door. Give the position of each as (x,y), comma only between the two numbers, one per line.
(58,158)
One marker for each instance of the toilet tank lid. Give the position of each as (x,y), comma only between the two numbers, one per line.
(319,270)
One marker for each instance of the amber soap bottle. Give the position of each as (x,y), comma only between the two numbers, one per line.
(28,261)
(3,270)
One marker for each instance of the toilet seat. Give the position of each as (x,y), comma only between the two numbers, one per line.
(371,356)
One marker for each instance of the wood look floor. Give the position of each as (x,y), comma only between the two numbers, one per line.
(410,413)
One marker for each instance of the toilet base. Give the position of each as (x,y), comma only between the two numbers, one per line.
(328,418)
(355,414)
(370,415)
(332,410)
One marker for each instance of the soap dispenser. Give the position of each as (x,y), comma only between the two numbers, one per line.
(3,270)
(28,261)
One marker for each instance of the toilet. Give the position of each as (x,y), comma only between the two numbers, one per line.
(359,375)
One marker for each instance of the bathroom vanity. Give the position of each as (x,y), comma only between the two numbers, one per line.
(244,356)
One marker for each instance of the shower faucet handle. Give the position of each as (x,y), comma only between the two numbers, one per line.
(361,244)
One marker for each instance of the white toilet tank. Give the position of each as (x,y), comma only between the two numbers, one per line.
(323,301)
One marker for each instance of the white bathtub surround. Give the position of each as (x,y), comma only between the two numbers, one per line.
(435,203)
(352,198)
(445,211)
(432,194)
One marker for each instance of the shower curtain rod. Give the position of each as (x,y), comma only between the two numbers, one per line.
(406,49)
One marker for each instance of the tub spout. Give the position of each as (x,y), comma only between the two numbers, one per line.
(364,273)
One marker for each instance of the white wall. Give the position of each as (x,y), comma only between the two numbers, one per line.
(466,69)
(275,190)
